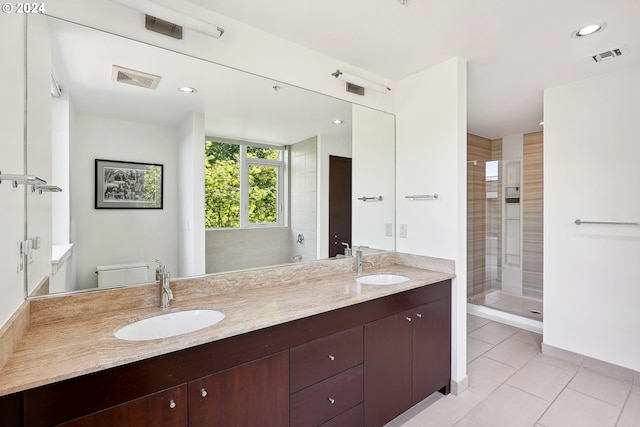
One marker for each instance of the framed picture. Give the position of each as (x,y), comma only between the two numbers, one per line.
(128,185)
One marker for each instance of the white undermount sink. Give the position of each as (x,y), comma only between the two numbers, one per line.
(169,325)
(382,279)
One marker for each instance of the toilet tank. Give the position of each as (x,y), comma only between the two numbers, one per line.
(122,274)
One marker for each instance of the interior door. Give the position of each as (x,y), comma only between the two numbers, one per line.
(339,204)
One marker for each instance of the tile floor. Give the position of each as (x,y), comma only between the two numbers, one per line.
(511,383)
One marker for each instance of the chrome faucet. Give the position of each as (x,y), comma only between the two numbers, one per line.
(359,261)
(162,276)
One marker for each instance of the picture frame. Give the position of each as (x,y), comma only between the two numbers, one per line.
(128,185)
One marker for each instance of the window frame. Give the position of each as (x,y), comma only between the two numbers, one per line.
(245,164)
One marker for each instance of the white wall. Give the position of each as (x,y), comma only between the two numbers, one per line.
(431,158)
(12,120)
(373,170)
(591,272)
(39,149)
(190,197)
(119,236)
(328,145)
(303,200)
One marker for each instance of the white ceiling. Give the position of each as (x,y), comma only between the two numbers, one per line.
(235,104)
(514,48)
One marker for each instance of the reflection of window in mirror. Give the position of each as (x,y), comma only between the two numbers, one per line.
(243,184)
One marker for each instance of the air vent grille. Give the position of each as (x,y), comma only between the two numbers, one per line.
(134,77)
(608,54)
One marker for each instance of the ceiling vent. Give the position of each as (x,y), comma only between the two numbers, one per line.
(608,54)
(135,78)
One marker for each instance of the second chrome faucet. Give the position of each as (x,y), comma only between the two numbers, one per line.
(164,282)
(360,261)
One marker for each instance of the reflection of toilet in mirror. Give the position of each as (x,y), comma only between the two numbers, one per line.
(122,274)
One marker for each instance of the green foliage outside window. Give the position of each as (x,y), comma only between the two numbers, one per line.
(222,186)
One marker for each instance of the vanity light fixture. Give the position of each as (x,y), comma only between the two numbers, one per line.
(357,84)
(588,30)
(187,89)
(337,122)
(171,15)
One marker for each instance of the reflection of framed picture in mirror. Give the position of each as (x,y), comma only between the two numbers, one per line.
(128,185)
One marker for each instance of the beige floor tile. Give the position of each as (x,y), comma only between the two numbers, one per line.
(476,348)
(402,421)
(572,408)
(493,333)
(485,375)
(600,386)
(475,322)
(508,406)
(560,363)
(423,405)
(541,379)
(467,422)
(529,337)
(513,353)
(448,410)
(631,412)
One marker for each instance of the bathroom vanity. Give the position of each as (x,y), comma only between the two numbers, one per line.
(364,361)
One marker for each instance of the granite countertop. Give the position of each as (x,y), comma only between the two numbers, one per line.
(64,348)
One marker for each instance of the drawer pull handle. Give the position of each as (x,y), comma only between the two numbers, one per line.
(418,315)
(203,392)
(172,404)
(332,401)
(408,319)
(331,357)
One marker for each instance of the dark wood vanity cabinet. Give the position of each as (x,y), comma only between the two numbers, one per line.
(166,408)
(253,394)
(407,357)
(359,365)
(326,379)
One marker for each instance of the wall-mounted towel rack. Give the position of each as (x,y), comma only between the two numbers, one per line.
(364,199)
(46,189)
(22,179)
(433,196)
(580,222)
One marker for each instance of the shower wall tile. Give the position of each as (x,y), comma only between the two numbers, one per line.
(532,211)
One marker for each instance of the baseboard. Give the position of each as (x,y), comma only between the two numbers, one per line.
(458,387)
(597,365)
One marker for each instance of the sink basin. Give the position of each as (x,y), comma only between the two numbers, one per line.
(382,279)
(169,325)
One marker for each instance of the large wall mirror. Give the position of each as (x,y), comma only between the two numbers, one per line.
(120,102)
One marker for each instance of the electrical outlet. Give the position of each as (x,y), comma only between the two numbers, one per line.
(403,230)
(388,229)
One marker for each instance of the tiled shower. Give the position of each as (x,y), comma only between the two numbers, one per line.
(504,226)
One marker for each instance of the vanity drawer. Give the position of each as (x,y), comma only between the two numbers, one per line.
(354,417)
(327,399)
(322,358)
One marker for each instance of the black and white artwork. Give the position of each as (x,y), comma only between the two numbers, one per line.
(128,185)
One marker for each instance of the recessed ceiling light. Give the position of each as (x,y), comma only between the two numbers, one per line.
(337,122)
(588,30)
(187,89)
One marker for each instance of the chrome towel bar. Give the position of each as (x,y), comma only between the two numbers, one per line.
(580,222)
(364,199)
(433,196)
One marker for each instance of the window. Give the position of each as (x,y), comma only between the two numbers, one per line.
(243,184)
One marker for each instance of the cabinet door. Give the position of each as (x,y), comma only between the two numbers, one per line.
(166,408)
(253,394)
(431,348)
(387,368)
